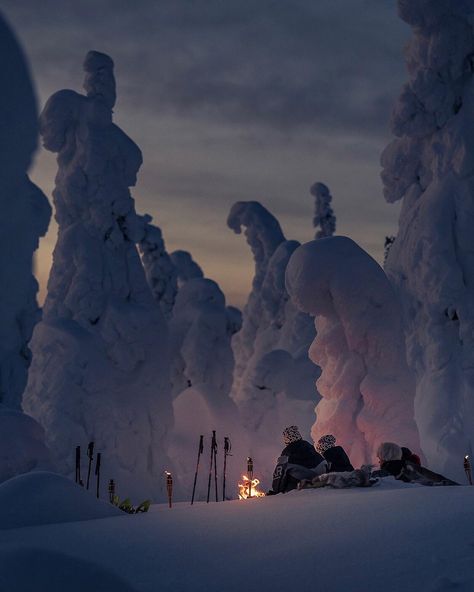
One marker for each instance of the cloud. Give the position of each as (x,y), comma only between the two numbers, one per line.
(330,64)
(234,100)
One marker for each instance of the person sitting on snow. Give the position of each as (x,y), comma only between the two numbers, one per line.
(335,456)
(391,461)
(407,454)
(298,460)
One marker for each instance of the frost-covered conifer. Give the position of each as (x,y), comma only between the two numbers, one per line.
(25,218)
(100,366)
(160,270)
(201,329)
(367,389)
(430,167)
(273,379)
(324,219)
(186,267)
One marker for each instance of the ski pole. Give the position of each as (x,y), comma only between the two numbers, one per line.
(200,451)
(97,471)
(227,449)
(215,469)
(250,474)
(210,466)
(78,466)
(169,487)
(467,469)
(111,490)
(90,454)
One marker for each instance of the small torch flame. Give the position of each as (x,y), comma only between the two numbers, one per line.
(249,486)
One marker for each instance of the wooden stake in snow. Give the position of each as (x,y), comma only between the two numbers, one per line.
(111,490)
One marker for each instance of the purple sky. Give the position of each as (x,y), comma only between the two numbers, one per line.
(234,100)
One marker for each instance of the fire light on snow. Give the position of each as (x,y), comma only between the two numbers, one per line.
(249,488)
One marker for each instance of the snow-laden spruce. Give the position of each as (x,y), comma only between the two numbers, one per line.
(367,389)
(324,220)
(160,270)
(186,267)
(201,329)
(25,218)
(430,167)
(273,379)
(100,366)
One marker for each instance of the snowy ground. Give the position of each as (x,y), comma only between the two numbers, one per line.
(392,537)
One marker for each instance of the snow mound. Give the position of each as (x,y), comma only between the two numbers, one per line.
(47,498)
(367,388)
(22,446)
(54,571)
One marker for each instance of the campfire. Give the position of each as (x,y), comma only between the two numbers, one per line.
(249,489)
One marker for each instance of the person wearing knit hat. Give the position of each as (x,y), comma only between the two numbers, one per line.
(298,460)
(334,455)
(299,451)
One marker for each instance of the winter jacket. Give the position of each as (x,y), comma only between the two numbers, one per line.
(409,472)
(302,453)
(407,454)
(338,460)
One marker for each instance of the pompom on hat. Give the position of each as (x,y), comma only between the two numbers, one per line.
(325,443)
(291,434)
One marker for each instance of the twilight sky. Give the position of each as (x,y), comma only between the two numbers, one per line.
(233,100)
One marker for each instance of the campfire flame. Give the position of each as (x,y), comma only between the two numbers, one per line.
(249,485)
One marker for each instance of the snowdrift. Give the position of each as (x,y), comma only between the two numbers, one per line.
(22,446)
(391,537)
(46,498)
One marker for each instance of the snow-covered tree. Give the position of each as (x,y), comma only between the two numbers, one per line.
(367,389)
(430,167)
(324,220)
(389,240)
(201,329)
(25,218)
(186,267)
(100,366)
(160,270)
(273,379)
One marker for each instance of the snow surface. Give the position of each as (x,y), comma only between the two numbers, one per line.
(430,166)
(100,366)
(391,537)
(40,497)
(22,444)
(367,389)
(272,347)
